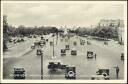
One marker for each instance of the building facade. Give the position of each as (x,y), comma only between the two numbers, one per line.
(111,23)
(116,24)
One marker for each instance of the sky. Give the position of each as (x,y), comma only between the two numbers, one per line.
(40,14)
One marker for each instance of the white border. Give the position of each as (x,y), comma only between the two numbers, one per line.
(68,81)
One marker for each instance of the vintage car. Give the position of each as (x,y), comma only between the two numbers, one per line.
(88,43)
(55,66)
(37,43)
(82,42)
(33,46)
(70,72)
(67,47)
(63,52)
(42,37)
(15,41)
(105,43)
(51,43)
(74,43)
(42,43)
(104,73)
(73,52)
(22,40)
(121,43)
(122,56)
(19,73)
(10,40)
(39,52)
(46,40)
(29,36)
(90,54)
(35,36)
(18,40)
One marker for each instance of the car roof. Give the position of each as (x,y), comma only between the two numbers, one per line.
(55,60)
(73,49)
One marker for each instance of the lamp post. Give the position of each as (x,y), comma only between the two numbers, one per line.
(41,53)
(53,44)
(42,66)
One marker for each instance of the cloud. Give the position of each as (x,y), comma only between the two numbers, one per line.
(37,14)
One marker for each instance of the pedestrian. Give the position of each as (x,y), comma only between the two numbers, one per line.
(95,55)
(117,71)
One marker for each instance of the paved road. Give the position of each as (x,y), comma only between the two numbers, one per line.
(108,56)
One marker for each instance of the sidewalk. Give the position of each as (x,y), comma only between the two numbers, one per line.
(18,54)
(19,49)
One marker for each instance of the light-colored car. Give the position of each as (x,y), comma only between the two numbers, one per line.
(73,51)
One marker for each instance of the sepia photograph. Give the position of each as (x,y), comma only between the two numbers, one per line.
(63,40)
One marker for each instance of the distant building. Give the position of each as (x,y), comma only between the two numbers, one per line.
(116,24)
(121,33)
(111,23)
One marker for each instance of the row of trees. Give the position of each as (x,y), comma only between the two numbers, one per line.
(5,32)
(104,32)
(9,31)
(25,31)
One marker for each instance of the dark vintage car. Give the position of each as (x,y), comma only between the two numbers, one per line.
(46,40)
(90,54)
(105,43)
(51,43)
(74,43)
(67,47)
(42,43)
(42,38)
(15,41)
(39,52)
(29,36)
(19,73)
(37,43)
(10,40)
(82,42)
(122,56)
(34,36)
(104,73)
(73,52)
(18,40)
(70,73)
(56,65)
(121,43)
(88,43)
(63,52)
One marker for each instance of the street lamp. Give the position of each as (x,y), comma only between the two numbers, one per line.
(53,44)
(40,52)
(42,65)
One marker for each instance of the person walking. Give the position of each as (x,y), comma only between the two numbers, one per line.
(117,71)
(95,55)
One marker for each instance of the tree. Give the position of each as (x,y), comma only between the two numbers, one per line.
(5,33)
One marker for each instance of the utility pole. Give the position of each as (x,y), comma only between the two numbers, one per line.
(42,65)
